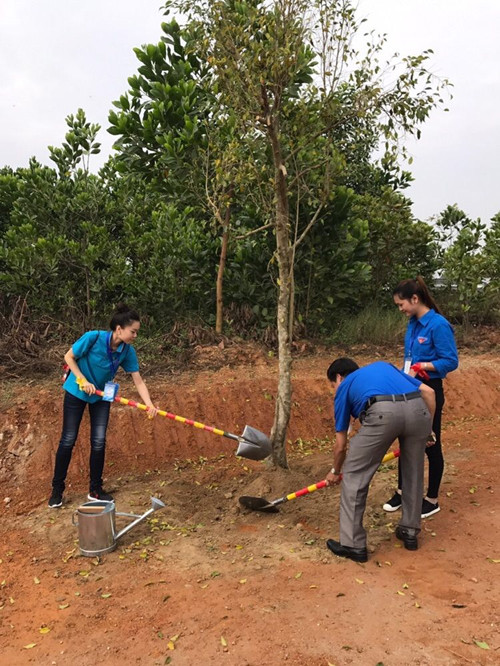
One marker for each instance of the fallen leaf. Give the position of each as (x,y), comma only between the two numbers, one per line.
(29,646)
(493,561)
(243,581)
(171,645)
(312,587)
(405,586)
(106,595)
(472,489)
(44,630)
(298,575)
(482,645)
(402,594)
(36,580)
(417,605)
(223,641)
(84,574)
(63,606)
(358,580)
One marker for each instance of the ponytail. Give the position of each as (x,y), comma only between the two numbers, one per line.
(123,316)
(408,288)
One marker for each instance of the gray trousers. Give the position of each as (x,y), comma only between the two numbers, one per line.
(383,423)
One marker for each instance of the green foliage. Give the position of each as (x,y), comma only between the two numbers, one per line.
(373,325)
(80,143)
(470,260)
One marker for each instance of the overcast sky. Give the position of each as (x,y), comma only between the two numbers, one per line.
(59,55)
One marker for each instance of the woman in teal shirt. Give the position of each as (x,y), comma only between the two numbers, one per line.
(430,353)
(93,361)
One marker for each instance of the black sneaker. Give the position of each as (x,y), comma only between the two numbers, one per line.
(429,509)
(101,495)
(394,503)
(55,500)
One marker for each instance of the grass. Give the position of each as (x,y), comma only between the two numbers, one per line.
(374,325)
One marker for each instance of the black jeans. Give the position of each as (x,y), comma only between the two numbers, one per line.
(434,452)
(73,409)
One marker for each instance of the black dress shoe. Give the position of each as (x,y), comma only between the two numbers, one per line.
(410,540)
(356,554)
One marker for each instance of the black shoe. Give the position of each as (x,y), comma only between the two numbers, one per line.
(356,554)
(394,503)
(410,540)
(55,500)
(429,509)
(101,495)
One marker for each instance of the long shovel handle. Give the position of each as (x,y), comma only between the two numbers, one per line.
(174,417)
(321,484)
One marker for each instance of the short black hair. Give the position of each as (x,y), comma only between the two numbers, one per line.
(341,366)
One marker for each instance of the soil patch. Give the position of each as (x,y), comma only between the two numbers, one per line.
(205,581)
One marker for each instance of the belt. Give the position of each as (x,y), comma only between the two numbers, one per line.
(402,397)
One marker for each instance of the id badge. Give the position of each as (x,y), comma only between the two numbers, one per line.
(110,391)
(407,365)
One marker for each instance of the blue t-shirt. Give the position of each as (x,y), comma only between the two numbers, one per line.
(431,339)
(379,378)
(91,353)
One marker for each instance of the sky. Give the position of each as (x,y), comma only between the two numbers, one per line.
(59,55)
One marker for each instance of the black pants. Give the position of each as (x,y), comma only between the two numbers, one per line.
(73,409)
(434,453)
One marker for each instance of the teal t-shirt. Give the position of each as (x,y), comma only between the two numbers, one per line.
(91,353)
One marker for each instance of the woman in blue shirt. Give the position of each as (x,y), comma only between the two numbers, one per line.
(93,361)
(430,353)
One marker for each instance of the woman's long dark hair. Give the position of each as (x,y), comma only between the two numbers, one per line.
(408,288)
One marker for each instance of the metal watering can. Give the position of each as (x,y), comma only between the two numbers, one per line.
(96,525)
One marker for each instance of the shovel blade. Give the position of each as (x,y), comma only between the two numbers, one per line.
(258,504)
(254,444)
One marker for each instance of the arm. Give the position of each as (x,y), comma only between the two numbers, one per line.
(445,350)
(339,453)
(142,390)
(70,359)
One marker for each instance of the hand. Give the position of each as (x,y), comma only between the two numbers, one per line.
(152,411)
(431,440)
(333,479)
(87,387)
(418,370)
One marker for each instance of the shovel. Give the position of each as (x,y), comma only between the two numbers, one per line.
(252,444)
(262,504)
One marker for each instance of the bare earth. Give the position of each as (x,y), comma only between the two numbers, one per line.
(206,582)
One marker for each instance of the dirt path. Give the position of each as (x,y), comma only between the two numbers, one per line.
(204,582)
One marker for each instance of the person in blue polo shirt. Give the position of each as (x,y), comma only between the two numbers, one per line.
(430,353)
(93,361)
(389,405)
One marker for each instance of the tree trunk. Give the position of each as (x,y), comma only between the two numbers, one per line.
(284,396)
(219,307)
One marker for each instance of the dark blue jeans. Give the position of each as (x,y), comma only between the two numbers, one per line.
(73,409)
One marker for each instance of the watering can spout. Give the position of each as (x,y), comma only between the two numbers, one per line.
(156,504)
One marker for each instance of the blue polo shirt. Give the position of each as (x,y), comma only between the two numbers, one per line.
(431,339)
(91,353)
(378,378)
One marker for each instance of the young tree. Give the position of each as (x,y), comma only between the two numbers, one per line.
(287,72)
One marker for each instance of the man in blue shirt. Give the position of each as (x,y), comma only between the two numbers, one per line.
(389,405)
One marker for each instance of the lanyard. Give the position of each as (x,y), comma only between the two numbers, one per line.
(113,364)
